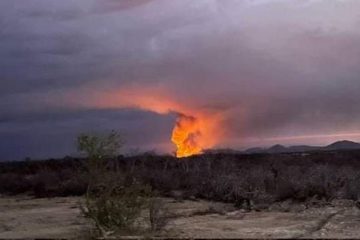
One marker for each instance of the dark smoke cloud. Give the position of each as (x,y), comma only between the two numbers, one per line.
(274,67)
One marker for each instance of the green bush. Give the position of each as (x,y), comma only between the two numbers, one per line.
(97,149)
(114,209)
(111,202)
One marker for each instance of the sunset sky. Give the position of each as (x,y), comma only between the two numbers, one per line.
(255,72)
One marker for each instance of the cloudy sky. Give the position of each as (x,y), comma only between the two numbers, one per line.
(276,71)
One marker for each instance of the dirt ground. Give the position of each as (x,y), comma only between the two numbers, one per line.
(25,217)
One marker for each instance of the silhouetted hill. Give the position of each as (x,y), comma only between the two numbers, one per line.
(277,149)
(254,150)
(343,145)
(340,145)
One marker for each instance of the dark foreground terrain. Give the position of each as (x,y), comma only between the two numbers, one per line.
(251,181)
(312,194)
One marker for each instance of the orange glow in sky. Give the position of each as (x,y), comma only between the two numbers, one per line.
(194,131)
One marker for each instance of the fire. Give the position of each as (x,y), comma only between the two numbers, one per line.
(186,136)
(195,129)
(192,135)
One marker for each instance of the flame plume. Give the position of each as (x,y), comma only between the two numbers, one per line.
(195,129)
(194,133)
(186,136)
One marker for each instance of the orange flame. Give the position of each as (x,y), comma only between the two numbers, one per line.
(195,129)
(186,136)
(192,135)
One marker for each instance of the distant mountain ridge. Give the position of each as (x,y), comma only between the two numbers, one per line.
(343,145)
(339,145)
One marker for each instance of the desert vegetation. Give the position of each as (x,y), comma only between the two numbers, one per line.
(113,199)
(117,190)
(240,179)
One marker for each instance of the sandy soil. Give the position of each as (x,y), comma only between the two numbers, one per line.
(24,217)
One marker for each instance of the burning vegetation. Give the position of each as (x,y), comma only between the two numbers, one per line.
(186,136)
(195,129)
(191,135)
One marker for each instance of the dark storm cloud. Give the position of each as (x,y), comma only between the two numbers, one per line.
(274,67)
(40,135)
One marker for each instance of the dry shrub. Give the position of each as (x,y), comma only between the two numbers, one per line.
(113,202)
(159,215)
(222,177)
(114,208)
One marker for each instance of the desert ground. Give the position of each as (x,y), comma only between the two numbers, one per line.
(208,196)
(27,217)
